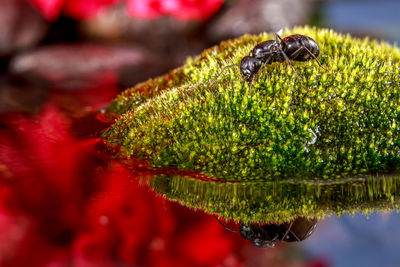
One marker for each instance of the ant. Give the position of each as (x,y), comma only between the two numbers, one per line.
(264,236)
(295,47)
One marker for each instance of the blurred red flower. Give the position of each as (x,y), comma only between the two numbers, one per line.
(50,9)
(78,9)
(148,9)
(62,202)
(179,9)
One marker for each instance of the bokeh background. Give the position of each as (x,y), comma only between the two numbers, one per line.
(64,201)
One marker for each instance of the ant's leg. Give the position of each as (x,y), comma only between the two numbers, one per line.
(227,67)
(314,57)
(298,239)
(276,38)
(258,74)
(298,51)
(226,227)
(310,230)
(288,61)
(303,47)
(287,231)
(284,54)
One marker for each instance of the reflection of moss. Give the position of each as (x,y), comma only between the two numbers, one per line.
(282,201)
(341,123)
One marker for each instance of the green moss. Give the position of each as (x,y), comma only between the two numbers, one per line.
(134,97)
(282,201)
(328,125)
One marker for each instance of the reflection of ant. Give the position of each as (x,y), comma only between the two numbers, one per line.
(294,47)
(264,236)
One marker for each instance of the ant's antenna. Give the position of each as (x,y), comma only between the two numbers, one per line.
(227,67)
(226,227)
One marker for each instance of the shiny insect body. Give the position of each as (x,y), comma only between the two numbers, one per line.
(264,236)
(294,47)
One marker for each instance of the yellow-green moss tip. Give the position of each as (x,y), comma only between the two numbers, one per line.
(328,125)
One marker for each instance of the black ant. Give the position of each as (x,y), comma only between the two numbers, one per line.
(264,236)
(295,47)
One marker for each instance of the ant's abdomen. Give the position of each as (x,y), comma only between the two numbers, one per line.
(291,45)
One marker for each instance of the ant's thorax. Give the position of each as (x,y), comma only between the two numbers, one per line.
(270,51)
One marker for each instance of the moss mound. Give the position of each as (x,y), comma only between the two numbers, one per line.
(328,125)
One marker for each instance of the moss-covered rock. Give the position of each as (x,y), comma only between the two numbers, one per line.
(328,125)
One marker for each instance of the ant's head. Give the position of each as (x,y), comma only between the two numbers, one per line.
(256,234)
(249,67)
